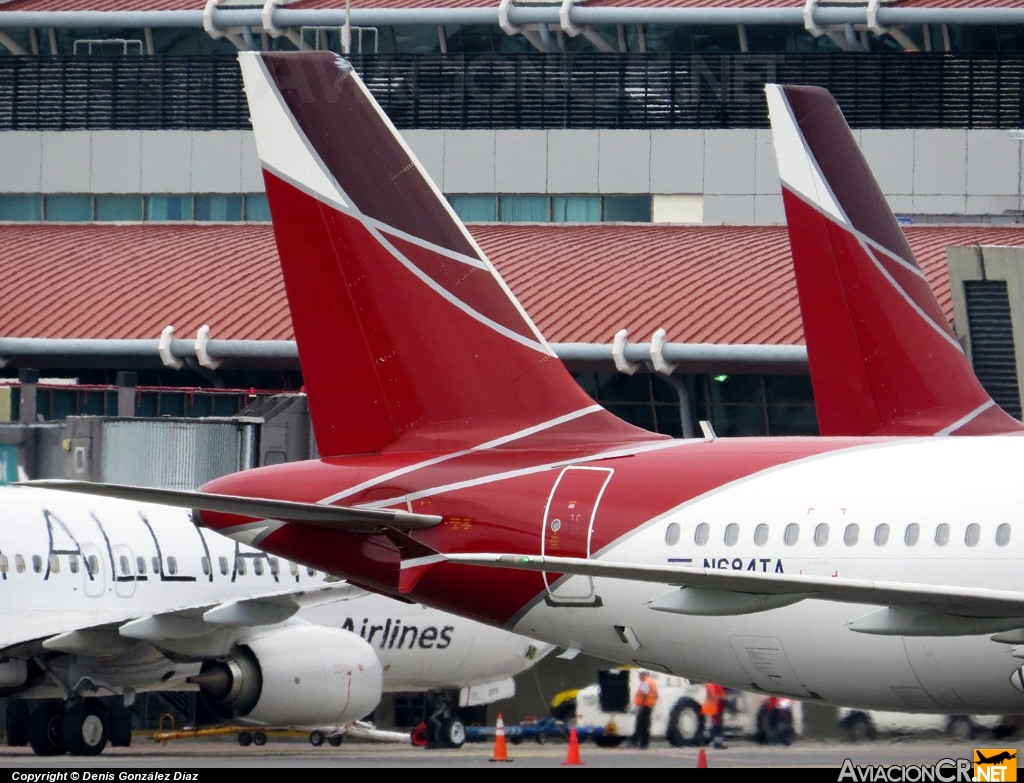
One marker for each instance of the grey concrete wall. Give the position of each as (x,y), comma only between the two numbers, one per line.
(922,172)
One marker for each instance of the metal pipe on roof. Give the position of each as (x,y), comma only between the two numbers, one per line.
(690,357)
(516,16)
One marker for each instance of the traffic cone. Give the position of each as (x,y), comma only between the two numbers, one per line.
(702,759)
(500,749)
(574,749)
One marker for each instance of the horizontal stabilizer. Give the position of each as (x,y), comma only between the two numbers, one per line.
(354,520)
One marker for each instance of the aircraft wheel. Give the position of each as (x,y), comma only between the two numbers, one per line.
(17,723)
(685,724)
(335,740)
(85,728)
(119,724)
(960,727)
(46,729)
(454,733)
(259,738)
(859,727)
(316,738)
(245,739)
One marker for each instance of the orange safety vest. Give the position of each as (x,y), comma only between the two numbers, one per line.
(646,697)
(713,699)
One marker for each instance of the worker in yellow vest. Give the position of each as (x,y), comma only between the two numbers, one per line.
(644,699)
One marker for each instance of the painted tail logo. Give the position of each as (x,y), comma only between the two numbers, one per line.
(883,357)
(407,336)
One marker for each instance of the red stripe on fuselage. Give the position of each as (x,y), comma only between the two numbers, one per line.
(495,502)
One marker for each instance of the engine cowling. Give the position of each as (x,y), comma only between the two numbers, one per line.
(294,676)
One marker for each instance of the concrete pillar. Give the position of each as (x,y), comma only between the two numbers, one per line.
(126,383)
(28,380)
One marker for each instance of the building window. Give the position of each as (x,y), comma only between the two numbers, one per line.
(220,208)
(126,208)
(161,208)
(22,209)
(68,209)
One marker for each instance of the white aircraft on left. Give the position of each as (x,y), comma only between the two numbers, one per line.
(101,599)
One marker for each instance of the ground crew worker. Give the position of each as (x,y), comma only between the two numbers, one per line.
(644,699)
(713,710)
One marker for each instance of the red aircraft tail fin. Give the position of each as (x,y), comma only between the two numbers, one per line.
(408,338)
(883,357)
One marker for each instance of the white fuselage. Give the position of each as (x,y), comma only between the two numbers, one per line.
(950,508)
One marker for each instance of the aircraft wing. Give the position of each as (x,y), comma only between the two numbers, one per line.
(907,608)
(357,520)
(98,633)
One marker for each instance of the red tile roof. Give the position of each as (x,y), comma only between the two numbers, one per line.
(581,283)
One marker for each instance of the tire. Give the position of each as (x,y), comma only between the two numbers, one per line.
(46,729)
(245,739)
(85,728)
(17,723)
(859,728)
(259,738)
(335,740)
(316,738)
(960,727)
(119,724)
(454,733)
(685,724)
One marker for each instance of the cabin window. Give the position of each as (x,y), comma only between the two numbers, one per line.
(821,534)
(672,534)
(911,534)
(257,566)
(240,566)
(4,565)
(294,568)
(125,565)
(19,564)
(973,534)
(702,534)
(761,534)
(222,562)
(140,565)
(732,534)
(310,571)
(156,565)
(1003,535)
(275,566)
(92,565)
(882,534)
(54,564)
(942,534)
(852,534)
(37,563)
(172,565)
(73,563)
(204,562)
(792,534)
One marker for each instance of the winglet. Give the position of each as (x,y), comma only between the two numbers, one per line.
(883,357)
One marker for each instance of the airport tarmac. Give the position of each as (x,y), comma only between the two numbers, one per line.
(198,754)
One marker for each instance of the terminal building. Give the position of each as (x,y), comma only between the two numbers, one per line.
(611,156)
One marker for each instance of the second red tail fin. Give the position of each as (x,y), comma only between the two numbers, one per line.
(883,357)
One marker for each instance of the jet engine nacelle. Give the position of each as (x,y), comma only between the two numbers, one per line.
(294,676)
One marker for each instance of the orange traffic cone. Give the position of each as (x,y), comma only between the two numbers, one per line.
(500,749)
(702,759)
(574,749)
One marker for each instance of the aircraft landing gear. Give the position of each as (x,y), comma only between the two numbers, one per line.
(46,729)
